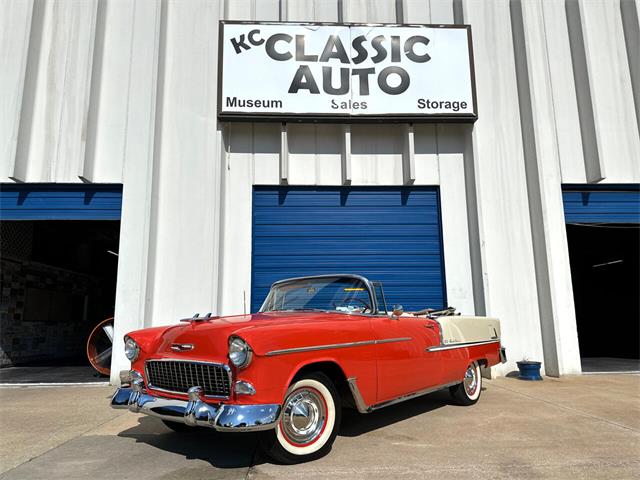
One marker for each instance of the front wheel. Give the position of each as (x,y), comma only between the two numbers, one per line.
(468,392)
(309,422)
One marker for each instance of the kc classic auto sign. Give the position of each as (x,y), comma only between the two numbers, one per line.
(291,71)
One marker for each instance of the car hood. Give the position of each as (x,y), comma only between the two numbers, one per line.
(208,339)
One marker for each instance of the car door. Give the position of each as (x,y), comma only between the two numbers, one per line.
(405,364)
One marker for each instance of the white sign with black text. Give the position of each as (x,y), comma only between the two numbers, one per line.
(285,70)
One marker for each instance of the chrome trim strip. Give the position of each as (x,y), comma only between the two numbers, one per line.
(335,345)
(460,345)
(218,364)
(319,347)
(391,340)
(364,408)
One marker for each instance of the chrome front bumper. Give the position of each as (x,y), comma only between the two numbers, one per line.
(195,412)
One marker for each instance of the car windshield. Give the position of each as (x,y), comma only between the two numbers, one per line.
(339,294)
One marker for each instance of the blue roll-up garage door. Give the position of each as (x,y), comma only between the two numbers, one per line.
(60,202)
(390,234)
(602,204)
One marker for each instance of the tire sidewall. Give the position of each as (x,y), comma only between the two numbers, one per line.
(329,421)
(276,446)
(476,395)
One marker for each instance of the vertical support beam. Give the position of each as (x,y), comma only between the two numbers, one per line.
(15,31)
(87,171)
(409,156)
(284,155)
(346,155)
(506,248)
(133,264)
(542,166)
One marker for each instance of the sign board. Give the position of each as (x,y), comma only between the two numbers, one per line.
(338,72)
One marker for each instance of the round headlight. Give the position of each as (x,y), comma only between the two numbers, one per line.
(239,352)
(131,348)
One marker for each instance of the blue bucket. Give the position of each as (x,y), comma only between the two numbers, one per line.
(529,370)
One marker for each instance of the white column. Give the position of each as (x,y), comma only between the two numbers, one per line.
(131,290)
(558,321)
(509,279)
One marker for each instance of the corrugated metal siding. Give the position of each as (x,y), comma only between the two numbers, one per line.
(586,205)
(388,234)
(60,202)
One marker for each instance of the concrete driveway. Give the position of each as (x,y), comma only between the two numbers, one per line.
(575,427)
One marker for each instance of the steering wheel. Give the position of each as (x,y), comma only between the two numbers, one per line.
(347,300)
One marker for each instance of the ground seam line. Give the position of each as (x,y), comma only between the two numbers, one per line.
(575,410)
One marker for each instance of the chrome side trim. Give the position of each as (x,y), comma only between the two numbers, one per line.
(217,397)
(460,345)
(391,340)
(335,345)
(364,408)
(357,396)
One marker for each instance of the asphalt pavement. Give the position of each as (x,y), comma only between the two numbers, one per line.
(574,427)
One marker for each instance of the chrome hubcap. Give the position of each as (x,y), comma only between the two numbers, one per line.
(470,381)
(303,417)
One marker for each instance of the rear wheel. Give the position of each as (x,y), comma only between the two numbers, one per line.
(468,392)
(309,422)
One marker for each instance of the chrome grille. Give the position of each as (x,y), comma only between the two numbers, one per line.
(178,377)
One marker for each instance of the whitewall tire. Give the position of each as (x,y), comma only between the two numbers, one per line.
(468,391)
(309,422)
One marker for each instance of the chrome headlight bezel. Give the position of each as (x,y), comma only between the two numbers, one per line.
(240,353)
(131,349)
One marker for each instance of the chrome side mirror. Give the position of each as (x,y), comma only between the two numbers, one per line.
(397,311)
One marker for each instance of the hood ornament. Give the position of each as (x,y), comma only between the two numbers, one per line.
(182,347)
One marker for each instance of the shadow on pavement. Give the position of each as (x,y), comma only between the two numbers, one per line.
(221,450)
(355,424)
(237,450)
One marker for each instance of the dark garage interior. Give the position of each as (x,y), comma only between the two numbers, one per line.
(58,283)
(605,270)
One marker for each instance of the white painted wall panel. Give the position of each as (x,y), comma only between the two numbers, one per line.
(611,94)
(503,210)
(376,154)
(426,155)
(314,154)
(318,10)
(184,237)
(108,130)
(372,11)
(15,28)
(51,143)
(235,253)
(135,226)
(455,228)
(553,271)
(563,93)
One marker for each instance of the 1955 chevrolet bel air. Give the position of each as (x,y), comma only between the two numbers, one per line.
(317,345)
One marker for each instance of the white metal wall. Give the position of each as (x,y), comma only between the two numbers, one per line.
(124,91)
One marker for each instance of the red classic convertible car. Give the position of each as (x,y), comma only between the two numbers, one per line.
(318,344)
